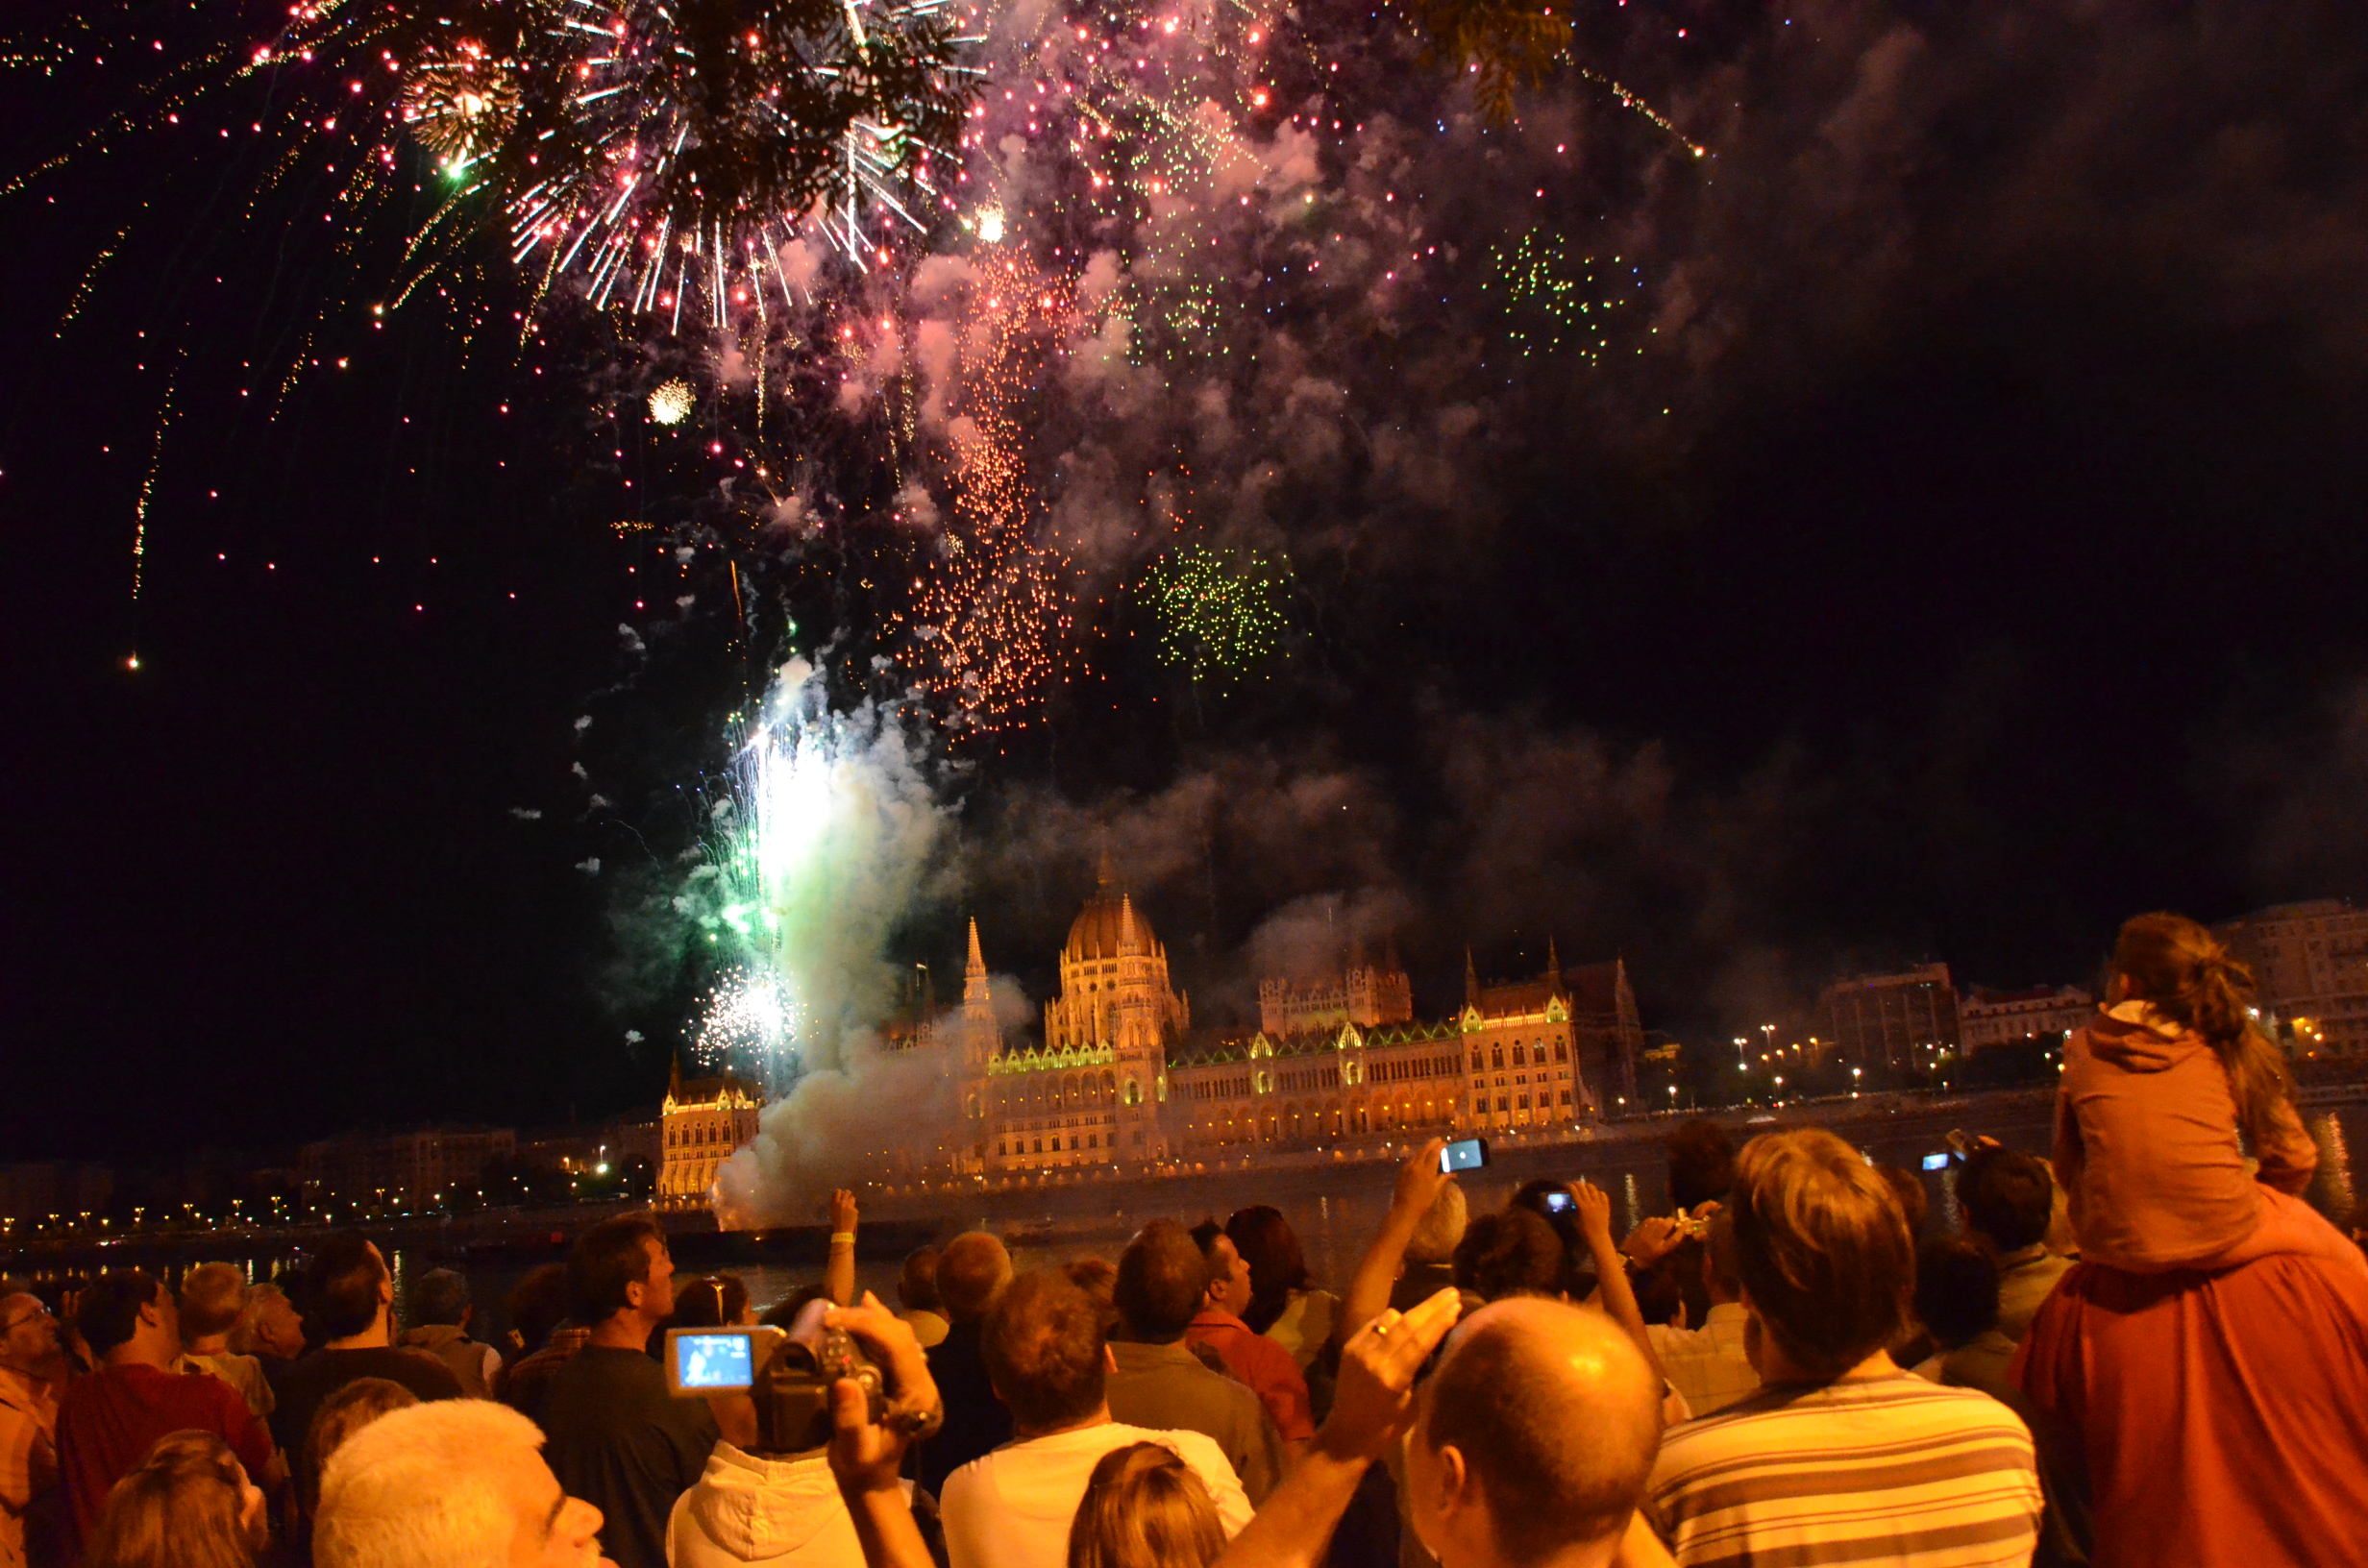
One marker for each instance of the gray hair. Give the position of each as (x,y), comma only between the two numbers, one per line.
(414,1489)
(1440,1229)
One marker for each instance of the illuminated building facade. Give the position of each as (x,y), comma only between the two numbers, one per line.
(2310,964)
(1119,1078)
(1900,1021)
(701,1121)
(2001,1018)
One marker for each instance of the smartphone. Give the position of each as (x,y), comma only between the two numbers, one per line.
(1557,1203)
(715,1360)
(1464,1153)
(1937,1162)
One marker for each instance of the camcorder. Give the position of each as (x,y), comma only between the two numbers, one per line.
(788,1374)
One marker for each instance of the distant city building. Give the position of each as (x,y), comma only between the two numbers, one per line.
(419,1166)
(68,1187)
(2000,1017)
(2310,962)
(1898,1021)
(591,1150)
(701,1121)
(1122,1078)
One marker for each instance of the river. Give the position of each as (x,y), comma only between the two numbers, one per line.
(1335,1209)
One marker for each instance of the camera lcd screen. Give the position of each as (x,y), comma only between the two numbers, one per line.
(1935,1162)
(1559,1201)
(1464,1153)
(714,1361)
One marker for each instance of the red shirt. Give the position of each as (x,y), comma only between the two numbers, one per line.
(108,1421)
(1261,1363)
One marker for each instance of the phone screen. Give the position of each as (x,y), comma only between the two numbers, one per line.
(713,1360)
(1557,1202)
(1935,1162)
(1464,1153)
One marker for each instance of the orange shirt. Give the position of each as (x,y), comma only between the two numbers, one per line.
(2147,1149)
(1264,1365)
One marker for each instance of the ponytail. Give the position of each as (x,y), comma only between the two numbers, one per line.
(2176,968)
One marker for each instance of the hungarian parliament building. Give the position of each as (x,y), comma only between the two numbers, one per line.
(1121,1077)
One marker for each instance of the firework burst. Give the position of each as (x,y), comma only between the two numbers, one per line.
(1221,611)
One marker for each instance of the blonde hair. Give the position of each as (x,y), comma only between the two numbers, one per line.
(2175,966)
(420,1488)
(185,1507)
(212,1296)
(1144,1507)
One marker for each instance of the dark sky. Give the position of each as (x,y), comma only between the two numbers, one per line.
(1997,571)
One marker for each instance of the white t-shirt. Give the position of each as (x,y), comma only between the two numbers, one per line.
(1012,1508)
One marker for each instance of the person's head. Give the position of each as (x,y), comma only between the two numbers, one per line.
(127,1310)
(1163,1276)
(440,1299)
(916,1284)
(270,1326)
(972,1270)
(1721,1279)
(28,1334)
(347,1290)
(1266,1241)
(1098,1279)
(1509,1254)
(2178,969)
(212,1298)
(620,1269)
(1441,1227)
(1229,1285)
(1701,1163)
(1956,1287)
(711,1301)
(1046,1352)
(451,1483)
(189,1504)
(348,1409)
(2009,1199)
(1822,1250)
(1144,1507)
(537,1305)
(1534,1436)
(1915,1205)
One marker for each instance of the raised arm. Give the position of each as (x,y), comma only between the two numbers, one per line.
(839,1273)
(1419,1182)
(1370,1411)
(865,1456)
(1619,1300)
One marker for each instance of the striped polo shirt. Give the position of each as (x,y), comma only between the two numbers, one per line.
(1882,1470)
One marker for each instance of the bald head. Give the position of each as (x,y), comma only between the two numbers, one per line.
(1554,1419)
(969,1272)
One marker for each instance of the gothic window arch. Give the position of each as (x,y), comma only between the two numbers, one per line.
(1133,1093)
(1497,1054)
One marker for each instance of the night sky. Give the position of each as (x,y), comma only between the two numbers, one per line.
(1995,570)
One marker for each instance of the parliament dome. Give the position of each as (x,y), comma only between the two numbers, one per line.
(1106,926)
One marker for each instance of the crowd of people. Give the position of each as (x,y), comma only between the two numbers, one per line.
(2143,1349)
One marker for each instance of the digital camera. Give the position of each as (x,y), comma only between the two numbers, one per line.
(788,1373)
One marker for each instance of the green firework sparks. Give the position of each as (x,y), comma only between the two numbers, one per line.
(1221,611)
(1554,298)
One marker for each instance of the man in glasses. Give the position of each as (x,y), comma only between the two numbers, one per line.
(29,1364)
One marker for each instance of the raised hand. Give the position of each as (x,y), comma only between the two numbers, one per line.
(1373,1400)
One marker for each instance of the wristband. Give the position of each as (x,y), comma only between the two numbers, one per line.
(842,1238)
